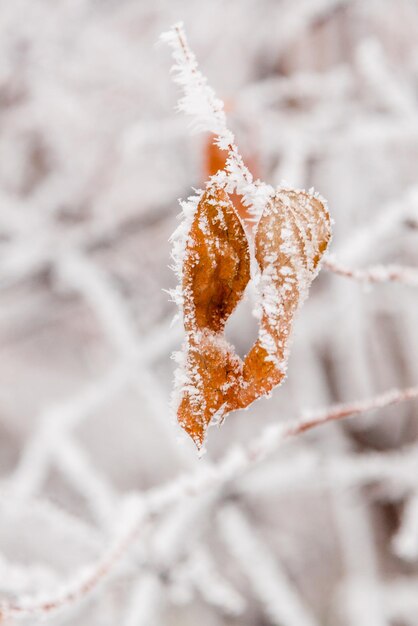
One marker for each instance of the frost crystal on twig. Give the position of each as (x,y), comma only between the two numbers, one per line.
(207,111)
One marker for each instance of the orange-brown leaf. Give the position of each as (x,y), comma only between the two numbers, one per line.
(213,372)
(292,235)
(216,270)
(216,267)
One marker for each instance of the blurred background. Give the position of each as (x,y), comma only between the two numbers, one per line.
(93,158)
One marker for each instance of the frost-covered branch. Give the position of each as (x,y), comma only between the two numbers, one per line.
(77,270)
(207,111)
(332,414)
(146,602)
(86,581)
(280,599)
(395,473)
(393,217)
(205,576)
(375,274)
(54,423)
(405,542)
(156,500)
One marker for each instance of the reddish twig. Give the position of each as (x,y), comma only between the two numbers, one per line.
(156,500)
(376,273)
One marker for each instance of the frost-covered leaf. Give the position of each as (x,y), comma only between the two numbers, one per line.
(216,266)
(292,235)
(213,372)
(216,270)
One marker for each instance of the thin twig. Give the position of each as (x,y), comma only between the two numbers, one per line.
(153,502)
(376,273)
(200,101)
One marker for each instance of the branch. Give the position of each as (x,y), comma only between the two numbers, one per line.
(153,502)
(85,581)
(55,423)
(96,288)
(200,101)
(376,273)
(405,542)
(339,470)
(146,601)
(279,597)
(340,411)
(202,573)
(396,214)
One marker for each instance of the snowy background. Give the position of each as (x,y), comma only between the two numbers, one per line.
(96,527)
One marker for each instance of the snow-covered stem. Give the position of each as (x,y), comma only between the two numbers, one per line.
(80,272)
(78,469)
(145,602)
(202,572)
(339,471)
(397,600)
(153,502)
(393,217)
(54,424)
(207,112)
(393,93)
(86,581)
(405,542)
(340,411)
(19,579)
(376,273)
(280,599)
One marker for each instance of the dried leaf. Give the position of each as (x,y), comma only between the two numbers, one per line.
(292,235)
(216,266)
(213,372)
(216,271)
